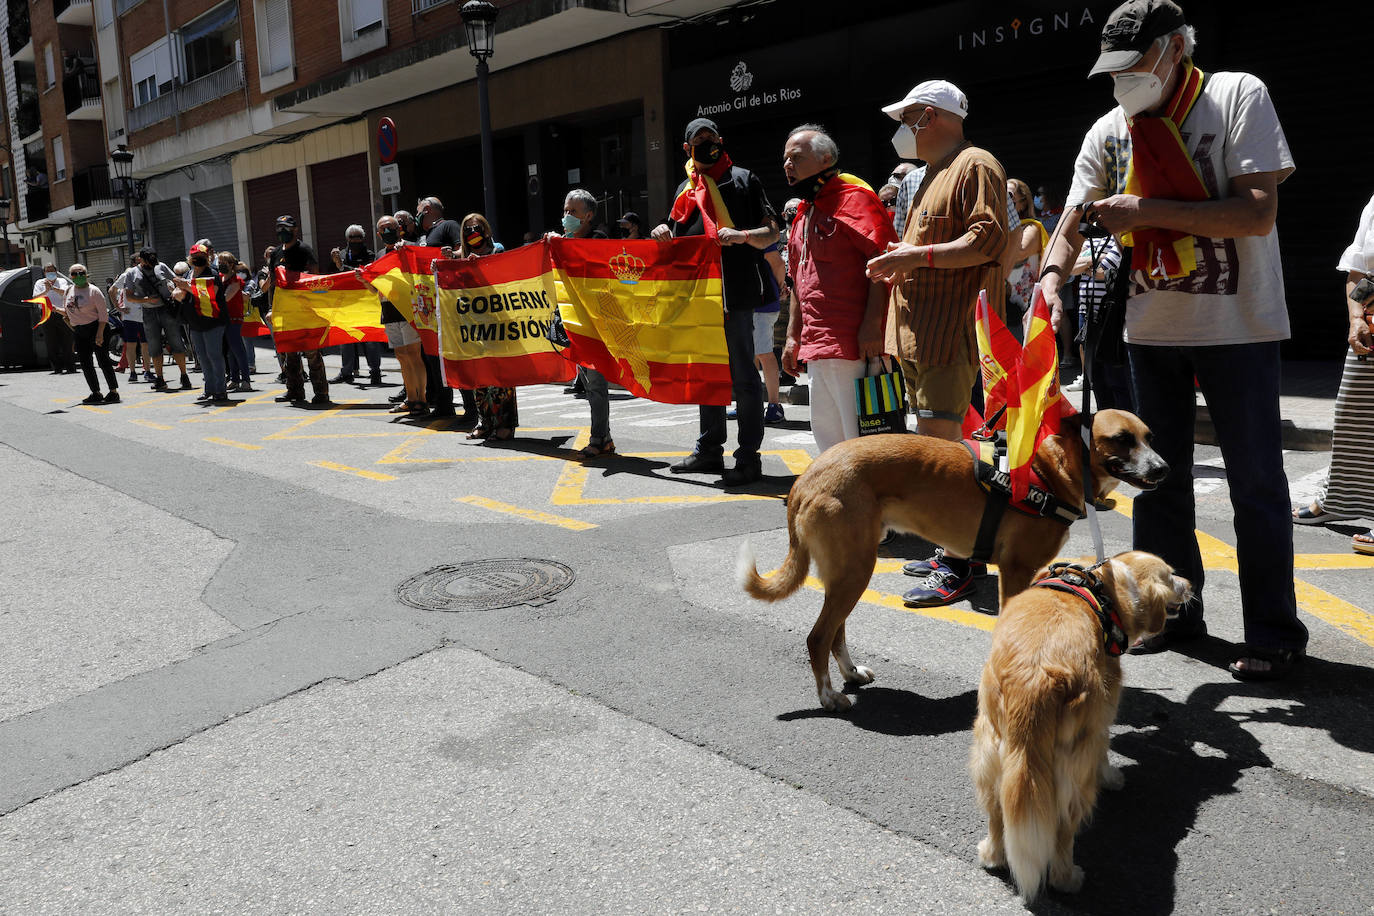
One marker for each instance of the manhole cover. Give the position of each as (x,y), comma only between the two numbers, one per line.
(484,585)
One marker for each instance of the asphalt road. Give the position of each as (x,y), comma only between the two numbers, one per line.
(212,699)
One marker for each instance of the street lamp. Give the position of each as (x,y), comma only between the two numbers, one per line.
(479,20)
(5,227)
(124,169)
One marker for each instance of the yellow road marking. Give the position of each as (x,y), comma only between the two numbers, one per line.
(948,613)
(162,399)
(243,445)
(316,417)
(92,409)
(150,424)
(1350,560)
(357,472)
(571,524)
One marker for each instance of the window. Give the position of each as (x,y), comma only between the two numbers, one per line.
(274,41)
(362,27)
(104,13)
(365,14)
(211,42)
(59,160)
(49,74)
(150,72)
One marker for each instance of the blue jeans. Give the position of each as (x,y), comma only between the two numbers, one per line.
(748,387)
(209,346)
(1241,385)
(599,403)
(372,351)
(238,352)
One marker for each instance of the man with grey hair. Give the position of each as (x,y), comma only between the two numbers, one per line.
(836,314)
(438,232)
(721,200)
(1184,171)
(579,222)
(355,253)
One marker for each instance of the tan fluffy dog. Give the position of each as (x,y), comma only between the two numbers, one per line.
(1045,703)
(838,509)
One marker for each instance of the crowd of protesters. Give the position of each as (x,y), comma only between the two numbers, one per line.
(863,275)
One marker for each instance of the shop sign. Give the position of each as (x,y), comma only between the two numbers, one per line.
(104,232)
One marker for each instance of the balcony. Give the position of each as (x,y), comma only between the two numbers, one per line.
(81,91)
(27,120)
(19,30)
(92,187)
(74,12)
(36,204)
(183,98)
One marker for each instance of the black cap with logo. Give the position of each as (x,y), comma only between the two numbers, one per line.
(1130,30)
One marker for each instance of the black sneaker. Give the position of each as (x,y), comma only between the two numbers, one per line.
(112,397)
(341,379)
(696,464)
(185,383)
(1180,629)
(398,397)
(95,397)
(942,586)
(375,379)
(739,476)
(321,400)
(922,568)
(289,397)
(159,385)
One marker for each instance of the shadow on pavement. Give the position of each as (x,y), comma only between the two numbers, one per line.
(900,713)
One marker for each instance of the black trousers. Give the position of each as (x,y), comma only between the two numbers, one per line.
(58,338)
(86,347)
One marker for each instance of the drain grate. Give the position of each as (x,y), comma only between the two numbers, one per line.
(485,585)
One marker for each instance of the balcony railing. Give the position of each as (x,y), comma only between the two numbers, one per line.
(183,98)
(19,24)
(80,85)
(36,204)
(27,117)
(92,186)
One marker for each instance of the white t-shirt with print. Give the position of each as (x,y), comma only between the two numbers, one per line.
(1360,255)
(1236,294)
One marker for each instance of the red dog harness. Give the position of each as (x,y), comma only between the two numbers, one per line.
(1074,579)
(1039,501)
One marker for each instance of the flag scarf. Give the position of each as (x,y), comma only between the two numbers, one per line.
(999,354)
(850,200)
(493,318)
(646,314)
(44,305)
(1161,168)
(702,192)
(311,311)
(1035,405)
(404,279)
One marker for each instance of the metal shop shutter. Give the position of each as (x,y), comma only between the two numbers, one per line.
(169,238)
(213,218)
(340,192)
(102,263)
(66,256)
(268,197)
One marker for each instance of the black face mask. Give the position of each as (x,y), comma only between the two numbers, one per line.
(808,188)
(199,262)
(354,245)
(475,238)
(146,268)
(708,153)
(284,235)
(390,236)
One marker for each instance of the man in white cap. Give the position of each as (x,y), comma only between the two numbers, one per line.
(1185,172)
(951,247)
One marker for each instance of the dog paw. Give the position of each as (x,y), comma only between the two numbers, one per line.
(1111,778)
(1071,883)
(860,675)
(835,701)
(990,854)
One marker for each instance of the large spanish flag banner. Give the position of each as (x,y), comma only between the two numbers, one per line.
(494,315)
(311,311)
(1035,405)
(646,314)
(403,276)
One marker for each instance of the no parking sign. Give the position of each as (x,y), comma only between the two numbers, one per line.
(387,144)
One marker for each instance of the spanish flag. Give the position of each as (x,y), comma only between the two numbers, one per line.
(999,358)
(494,314)
(700,192)
(403,278)
(1161,167)
(1035,406)
(311,311)
(646,314)
(44,305)
(205,302)
(253,325)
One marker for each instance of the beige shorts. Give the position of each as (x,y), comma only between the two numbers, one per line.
(400,334)
(942,392)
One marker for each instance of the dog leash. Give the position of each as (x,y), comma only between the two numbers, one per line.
(1089,353)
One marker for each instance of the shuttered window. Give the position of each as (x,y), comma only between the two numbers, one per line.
(169,237)
(276,54)
(365,13)
(268,198)
(101,263)
(340,194)
(213,218)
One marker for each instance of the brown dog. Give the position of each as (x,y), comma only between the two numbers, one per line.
(838,509)
(1045,703)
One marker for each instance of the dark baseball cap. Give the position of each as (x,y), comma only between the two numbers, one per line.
(699,125)
(1131,29)
(287,221)
(630,216)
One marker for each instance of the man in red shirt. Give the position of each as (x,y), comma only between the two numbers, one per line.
(836,314)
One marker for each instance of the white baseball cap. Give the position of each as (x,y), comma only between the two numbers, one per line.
(941,94)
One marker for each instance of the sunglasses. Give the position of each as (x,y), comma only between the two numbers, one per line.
(78,273)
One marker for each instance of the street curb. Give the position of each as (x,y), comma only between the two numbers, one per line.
(1294,437)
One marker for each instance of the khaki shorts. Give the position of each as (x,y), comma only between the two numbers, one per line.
(400,334)
(942,392)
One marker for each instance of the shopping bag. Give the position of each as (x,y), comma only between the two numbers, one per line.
(881,399)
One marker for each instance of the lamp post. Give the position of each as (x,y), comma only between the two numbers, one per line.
(479,20)
(5,227)
(124,168)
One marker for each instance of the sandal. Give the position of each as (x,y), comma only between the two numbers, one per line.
(1363,543)
(1315,515)
(597,449)
(480,432)
(1280,662)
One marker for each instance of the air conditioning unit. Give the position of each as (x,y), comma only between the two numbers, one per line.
(47,238)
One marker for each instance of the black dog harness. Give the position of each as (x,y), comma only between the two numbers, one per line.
(1039,501)
(1074,579)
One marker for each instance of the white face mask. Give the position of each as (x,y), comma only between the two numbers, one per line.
(1137,92)
(904,142)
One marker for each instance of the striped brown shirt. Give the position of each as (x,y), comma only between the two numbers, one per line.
(930,310)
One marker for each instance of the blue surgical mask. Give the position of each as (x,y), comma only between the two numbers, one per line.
(51,275)
(571,224)
(1038,201)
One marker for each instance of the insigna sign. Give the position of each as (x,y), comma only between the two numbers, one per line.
(1018,29)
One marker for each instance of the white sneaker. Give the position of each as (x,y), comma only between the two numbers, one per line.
(1075,385)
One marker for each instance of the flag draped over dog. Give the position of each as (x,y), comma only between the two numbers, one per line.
(646,314)
(494,314)
(1035,405)
(310,311)
(403,277)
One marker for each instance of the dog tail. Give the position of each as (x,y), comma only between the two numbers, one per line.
(1031,795)
(784,582)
